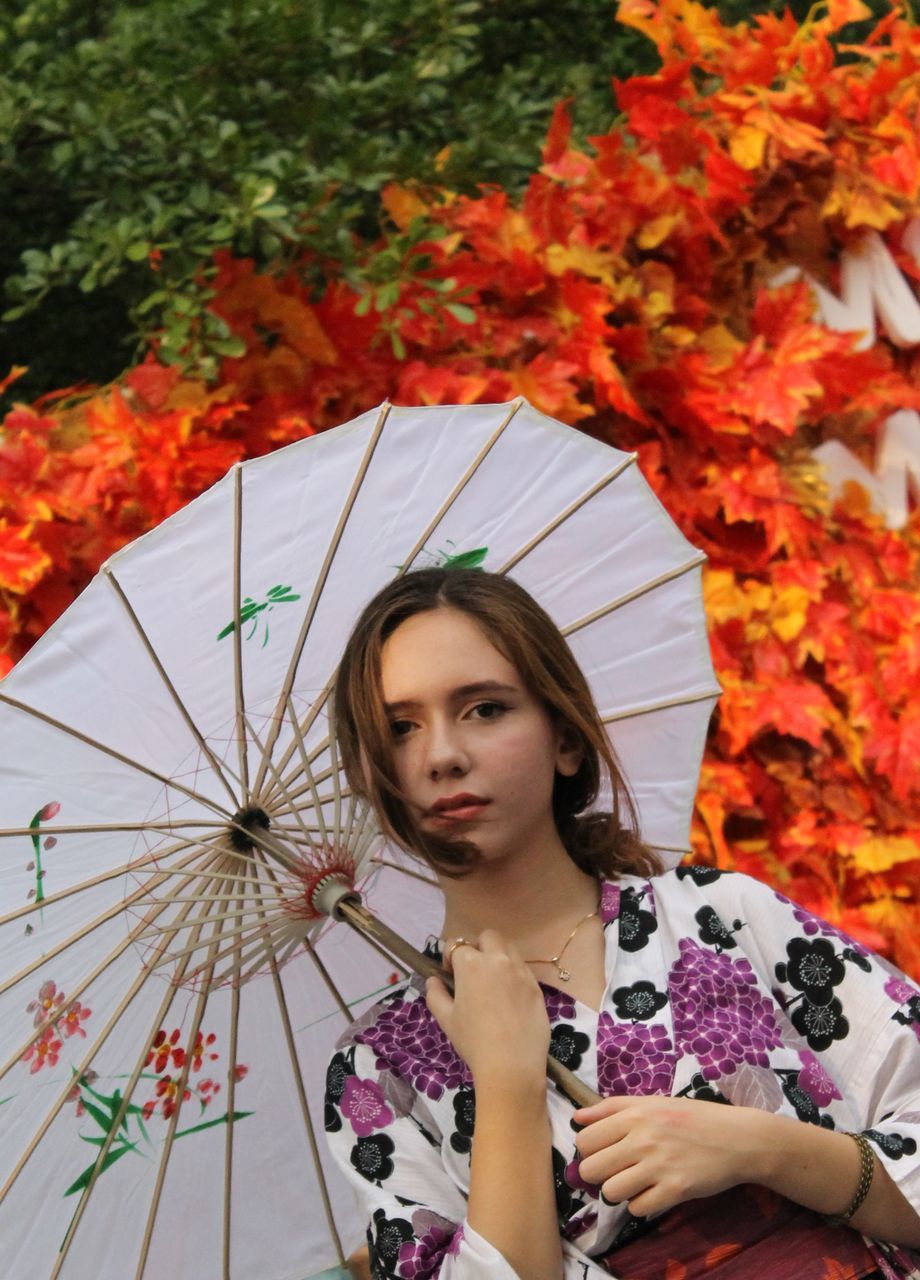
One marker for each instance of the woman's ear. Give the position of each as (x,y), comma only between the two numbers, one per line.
(569,753)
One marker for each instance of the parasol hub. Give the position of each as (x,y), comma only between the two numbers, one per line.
(329,892)
(251,819)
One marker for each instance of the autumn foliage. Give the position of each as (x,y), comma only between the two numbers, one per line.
(631,293)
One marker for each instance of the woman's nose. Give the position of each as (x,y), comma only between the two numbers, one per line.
(446,756)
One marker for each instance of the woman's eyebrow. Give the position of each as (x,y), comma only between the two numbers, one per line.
(462,691)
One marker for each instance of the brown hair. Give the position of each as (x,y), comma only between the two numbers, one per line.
(598,843)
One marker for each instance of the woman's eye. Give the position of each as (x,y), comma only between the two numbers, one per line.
(399,728)
(489,710)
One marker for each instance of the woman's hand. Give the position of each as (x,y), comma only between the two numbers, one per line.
(656,1152)
(496,1019)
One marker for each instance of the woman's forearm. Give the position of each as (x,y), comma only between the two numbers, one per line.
(512,1201)
(819,1168)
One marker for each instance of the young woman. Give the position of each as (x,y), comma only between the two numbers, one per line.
(760,1071)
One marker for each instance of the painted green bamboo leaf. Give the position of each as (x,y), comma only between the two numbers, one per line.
(107,1163)
(209,1124)
(465,559)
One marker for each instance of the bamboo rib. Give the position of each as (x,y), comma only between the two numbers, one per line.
(171,689)
(323,575)
(649,708)
(295,793)
(280,924)
(271,767)
(258,864)
(569,511)
(197,1018)
(108,914)
(327,979)
(213,916)
(71,732)
(302,748)
(336,784)
(668,576)
(416,875)
(212,897)
(360,840)
(107,828)
(308,1120)
(117,1121)
(91,1054)
(124,869)
(407,562)
(237,631)
(255,953)
(228,1136)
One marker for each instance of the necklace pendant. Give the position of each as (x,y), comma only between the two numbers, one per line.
(564,975)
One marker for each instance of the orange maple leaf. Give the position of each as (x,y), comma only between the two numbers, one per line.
(22,561)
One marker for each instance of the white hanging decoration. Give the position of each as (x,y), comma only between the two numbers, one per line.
(872,286)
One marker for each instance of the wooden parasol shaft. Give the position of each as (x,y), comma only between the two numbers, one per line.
(352,911)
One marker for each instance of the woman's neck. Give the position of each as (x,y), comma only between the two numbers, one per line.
(526,899)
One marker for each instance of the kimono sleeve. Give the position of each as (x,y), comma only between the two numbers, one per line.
(387,1146)
(858,1016)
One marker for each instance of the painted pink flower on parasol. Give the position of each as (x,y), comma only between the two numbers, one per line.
(49,999)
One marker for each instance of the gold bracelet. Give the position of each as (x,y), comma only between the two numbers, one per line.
(866,1170)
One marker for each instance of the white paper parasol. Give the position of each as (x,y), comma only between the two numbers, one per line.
(166,1012)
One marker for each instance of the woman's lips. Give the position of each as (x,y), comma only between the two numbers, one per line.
(459,813)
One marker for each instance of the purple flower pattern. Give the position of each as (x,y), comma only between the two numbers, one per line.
(610,902)
(559,1006)
(633,1058)
(901,992)
(407,1039)
(814,1080)
(421,1258)
(720,1015)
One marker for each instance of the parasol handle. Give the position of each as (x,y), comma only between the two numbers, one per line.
(352,910)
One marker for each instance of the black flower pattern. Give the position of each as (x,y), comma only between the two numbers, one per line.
(636,924)
(638,1002)
(713,931)
(702,1090)
(700,874)
(910,1014)
(820,1024)
(858,958)
(385,1238)
(814,968)
(568,1045)
(340,1068)
(464,1101)
(562,1188)
(371,1157)
(804,1105)
(894,1145)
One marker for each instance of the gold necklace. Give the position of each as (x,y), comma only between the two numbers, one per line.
(564,974)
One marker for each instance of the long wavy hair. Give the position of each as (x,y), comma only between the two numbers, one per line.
(600,843)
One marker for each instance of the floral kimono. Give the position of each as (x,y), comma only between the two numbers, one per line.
(718,988)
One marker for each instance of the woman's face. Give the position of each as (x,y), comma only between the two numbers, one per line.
(474,751)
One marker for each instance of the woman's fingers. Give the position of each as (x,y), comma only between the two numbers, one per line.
(603,1133)
(454,948)
(439,1001)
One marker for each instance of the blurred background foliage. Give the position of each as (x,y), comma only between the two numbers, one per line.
(139,136)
